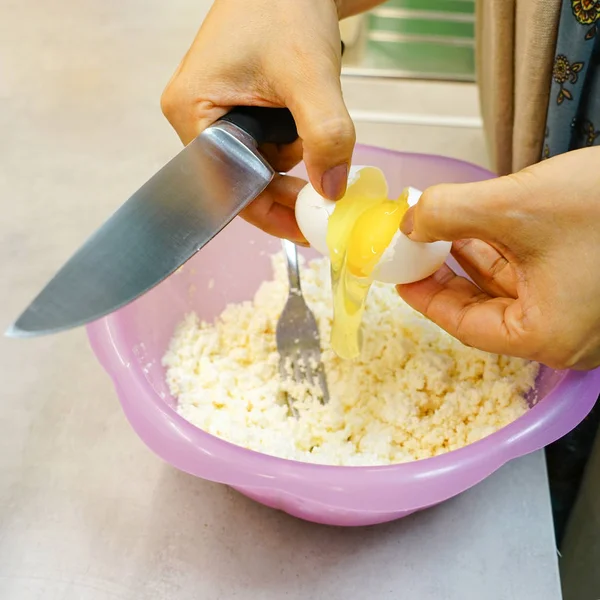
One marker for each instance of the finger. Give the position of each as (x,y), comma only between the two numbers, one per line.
(487,267)
(283,158)
(482,210)
(326,130)
(273,210)
(468,314)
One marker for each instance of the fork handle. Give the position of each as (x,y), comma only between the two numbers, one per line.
(291,255)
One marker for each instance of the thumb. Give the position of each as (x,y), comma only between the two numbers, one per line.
(450,212)
(327,134)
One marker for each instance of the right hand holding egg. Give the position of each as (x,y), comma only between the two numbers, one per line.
(531,244)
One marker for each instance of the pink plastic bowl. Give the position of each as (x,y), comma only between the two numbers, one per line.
(131,342)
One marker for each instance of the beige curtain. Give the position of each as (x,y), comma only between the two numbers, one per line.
(515,50)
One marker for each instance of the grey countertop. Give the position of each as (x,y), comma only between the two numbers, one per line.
(86,511)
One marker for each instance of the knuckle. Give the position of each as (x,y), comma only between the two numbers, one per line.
(170,101)
(179,96)
(525,332)
(497,269)
(336,132)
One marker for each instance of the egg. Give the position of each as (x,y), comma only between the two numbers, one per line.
(403,261)
(361,235)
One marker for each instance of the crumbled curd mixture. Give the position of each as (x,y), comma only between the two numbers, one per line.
(414,392)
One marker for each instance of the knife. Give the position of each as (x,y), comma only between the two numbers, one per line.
(172,216)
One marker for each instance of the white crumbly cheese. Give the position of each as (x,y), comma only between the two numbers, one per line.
(414,392)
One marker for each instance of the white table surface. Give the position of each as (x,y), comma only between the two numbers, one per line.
(86,511)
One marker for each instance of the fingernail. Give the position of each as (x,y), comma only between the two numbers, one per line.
(334,182)
(303,244)
(407,225)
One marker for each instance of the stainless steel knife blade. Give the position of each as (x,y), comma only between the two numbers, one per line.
(159,228)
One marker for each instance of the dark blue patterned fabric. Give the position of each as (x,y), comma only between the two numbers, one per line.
(573,119)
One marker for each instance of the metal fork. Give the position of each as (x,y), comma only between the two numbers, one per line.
(297,336)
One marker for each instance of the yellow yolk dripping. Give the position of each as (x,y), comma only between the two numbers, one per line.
(360,229)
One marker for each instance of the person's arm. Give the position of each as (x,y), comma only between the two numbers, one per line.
(349,8)
(277,53)
(531,244)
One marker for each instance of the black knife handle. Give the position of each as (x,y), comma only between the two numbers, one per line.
(265,125)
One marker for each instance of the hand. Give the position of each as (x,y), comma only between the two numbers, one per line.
(531,243)
(277,53)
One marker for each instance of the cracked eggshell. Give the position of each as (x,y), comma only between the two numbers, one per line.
(404,261)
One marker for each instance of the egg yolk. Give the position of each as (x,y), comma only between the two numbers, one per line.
(359,230)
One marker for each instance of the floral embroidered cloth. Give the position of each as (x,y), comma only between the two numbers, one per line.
(573,119)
